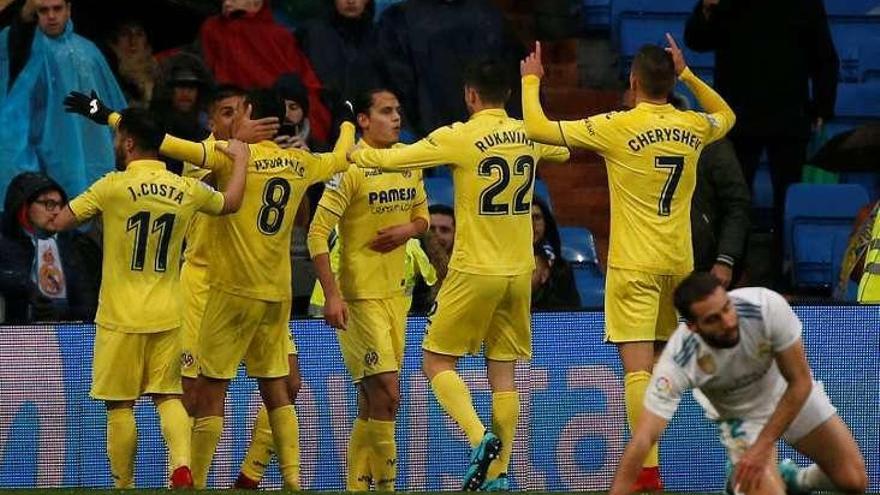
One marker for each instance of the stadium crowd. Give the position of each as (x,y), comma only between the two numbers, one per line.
(407,83)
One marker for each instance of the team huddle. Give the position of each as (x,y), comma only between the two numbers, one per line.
(229,302)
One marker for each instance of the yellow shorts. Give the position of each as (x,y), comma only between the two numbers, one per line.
(638,306)
(194,289)
(374,341)
(472,310)
(129,365)
(237,328)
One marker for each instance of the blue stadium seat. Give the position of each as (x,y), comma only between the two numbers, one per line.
(543,192)
(856,39)
(381,5)
(869,180)
(635,30)
(590,283)
(578,246)
(818,221)
(762,188)
(860,101)
(850,7)
(439,191)
(596,14)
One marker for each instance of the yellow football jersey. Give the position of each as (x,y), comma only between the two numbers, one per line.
(651,155)
(146,210)
(198,236)
(254,260)
(364,201)
(493,171)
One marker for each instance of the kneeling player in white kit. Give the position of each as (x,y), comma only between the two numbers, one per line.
(742,354)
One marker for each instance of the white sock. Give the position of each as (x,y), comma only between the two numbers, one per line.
(812,478)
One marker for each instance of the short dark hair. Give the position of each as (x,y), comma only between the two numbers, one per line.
(266,103)
(694,288)
(223,91)
(143,127)
(364,100)
(655,71)
(441,209)
(490,78)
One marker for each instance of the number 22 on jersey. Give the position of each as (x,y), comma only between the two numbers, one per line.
(524,166)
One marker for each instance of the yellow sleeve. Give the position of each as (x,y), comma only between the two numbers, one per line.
(420,207)
(91,201)
(580,133)
(207,199)
(335,200)
(719,114)
(201,154)
(555,153)
(322,166)
(431,151)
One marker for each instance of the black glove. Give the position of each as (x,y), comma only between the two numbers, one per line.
(344,112)
(88,106)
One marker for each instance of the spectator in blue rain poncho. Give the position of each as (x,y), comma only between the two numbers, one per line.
(41,60)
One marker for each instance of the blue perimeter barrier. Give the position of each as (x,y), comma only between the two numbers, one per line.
(570,435)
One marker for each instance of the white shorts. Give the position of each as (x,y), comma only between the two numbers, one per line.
(737,435)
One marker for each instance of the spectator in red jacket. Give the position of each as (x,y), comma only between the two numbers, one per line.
(244,46)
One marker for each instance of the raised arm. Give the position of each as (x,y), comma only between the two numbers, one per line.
(721,115)
(429,152)
(538,126)
(240,154)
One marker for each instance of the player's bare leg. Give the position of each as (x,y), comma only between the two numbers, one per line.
(190,394)
(262,445)
(177,432)
(769,484)
(638,361)
(839,465)
(455,398)
(382,393)
(285,427)
(121,442)
(207,426)
(505,416)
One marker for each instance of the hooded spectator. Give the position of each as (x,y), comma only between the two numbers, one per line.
(131,58)
(44,276)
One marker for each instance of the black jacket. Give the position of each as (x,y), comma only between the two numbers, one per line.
(342,52)
(424,45)
(720,208)
(80,258)
(766,55)
(560,292)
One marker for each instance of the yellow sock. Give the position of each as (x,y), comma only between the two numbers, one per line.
(383,458)
(359,474)
(261,448)
(176,430)
(505,415)
(205,435)
(455,398)
(121,445)
(634,385)
(285,432)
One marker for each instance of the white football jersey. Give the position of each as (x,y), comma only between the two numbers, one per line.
(740,382)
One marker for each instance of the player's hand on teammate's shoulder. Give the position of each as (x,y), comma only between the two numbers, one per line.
(531,65)
(255,131)
(237,150)
(336,311)
(677,55)
(89,106)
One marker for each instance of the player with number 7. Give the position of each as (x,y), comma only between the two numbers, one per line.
(651,155)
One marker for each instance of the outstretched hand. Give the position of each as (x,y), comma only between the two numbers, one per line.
(255,131)
(531,65)
(677,55)
(90,107)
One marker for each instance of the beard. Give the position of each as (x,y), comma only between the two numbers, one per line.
(724,342)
